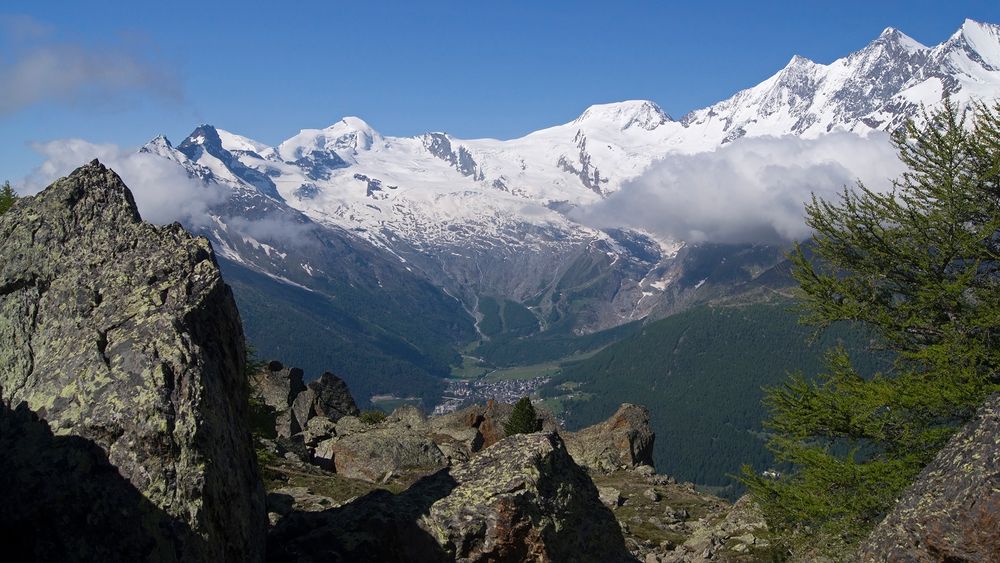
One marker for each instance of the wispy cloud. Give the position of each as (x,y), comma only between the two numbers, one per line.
(36,67)
(752,190)
(162,188)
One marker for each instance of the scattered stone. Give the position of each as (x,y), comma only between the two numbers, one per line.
(645,470)
(610,496)
(318,429)
(652,495)
(521,499)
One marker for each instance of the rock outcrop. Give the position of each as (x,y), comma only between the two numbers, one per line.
(295,404)
(278,386)
(124,335)
(375,452)
(465,432)
(624,441)
(522,499)
(63,501)
(331,398)
(952,511)
(525,499)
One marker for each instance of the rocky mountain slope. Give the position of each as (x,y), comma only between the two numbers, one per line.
(121,377)
(455,487)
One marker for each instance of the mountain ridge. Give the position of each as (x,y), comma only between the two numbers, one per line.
(496,219)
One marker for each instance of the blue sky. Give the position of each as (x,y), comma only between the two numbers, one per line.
(122,72)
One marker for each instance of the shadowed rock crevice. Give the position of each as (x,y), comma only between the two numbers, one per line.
(64,501)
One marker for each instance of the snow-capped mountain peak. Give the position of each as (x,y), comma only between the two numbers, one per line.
(236,143)
(159,144)
(893,35)
(354,133)
(643,114)
(978,42)
(494,217)
(320,151)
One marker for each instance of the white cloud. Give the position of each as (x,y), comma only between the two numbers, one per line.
(163,190)
(751,190)
(35,68)
(280,229)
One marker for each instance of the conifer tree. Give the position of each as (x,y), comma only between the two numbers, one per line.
(523,419)
(918,267)
(7,197)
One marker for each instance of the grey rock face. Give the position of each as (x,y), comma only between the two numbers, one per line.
(624,441)
(278,387)
(372,452)
(332,398)
(63,501)
(124,334)
(525,499)
(951,512)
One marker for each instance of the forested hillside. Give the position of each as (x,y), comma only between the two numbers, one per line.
(701,374)
(354,339)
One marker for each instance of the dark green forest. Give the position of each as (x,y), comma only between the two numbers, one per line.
(701,374)
(317,334)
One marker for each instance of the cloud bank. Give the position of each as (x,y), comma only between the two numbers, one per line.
(164,192)
(162,188)
(751,190)
(35,68)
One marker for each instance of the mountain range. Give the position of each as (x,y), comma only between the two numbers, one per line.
(381,248)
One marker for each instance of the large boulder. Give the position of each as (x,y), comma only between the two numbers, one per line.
(952,511)
(123,334)
(327,396)
(332,398)
(277,387)
(522,499)
(624,441)
(63,501)
(464,432)
(372,452)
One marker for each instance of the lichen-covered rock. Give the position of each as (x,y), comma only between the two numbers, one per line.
(624,441)
(524,499)
(124,334)
(728,539)
(952,511)
(408,414)
(375,451)
(277,386)
(317,430)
